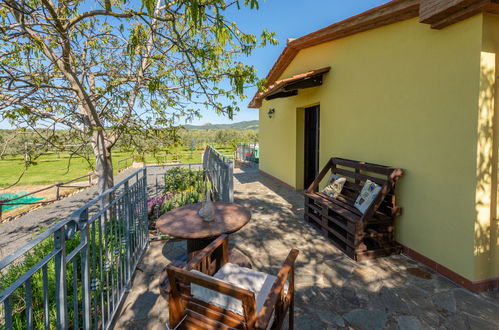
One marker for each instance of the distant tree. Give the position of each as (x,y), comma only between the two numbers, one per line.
(109,68)
(224,136)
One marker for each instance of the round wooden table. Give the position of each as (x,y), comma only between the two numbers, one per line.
(185,222)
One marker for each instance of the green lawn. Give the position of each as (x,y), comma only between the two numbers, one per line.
(52,168)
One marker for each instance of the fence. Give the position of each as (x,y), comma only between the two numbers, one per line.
(248,153)
(124,163)
(73,183)
(76,273)
(220,170)
(169,173)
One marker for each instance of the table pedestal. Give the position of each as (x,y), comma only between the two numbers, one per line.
(194,245)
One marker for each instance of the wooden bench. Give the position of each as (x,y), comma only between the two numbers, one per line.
(360,236)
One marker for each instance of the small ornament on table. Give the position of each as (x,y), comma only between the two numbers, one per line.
(207,211)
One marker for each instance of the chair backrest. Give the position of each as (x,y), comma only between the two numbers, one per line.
(183,303)
(208,261)
(191,312)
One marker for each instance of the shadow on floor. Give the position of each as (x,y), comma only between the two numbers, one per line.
(332,291)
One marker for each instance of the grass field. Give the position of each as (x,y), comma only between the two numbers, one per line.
(52,168)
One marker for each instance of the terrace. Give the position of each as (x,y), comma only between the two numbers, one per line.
(100,271)
(332,291)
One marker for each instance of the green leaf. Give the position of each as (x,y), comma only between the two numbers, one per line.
(149,4)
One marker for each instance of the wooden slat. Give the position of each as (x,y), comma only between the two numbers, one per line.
(191,324)
(206,322)
(349,226)
(341,211)
(350,192)
(216,313)
(360,176)
(315,219)
(464,13)
(347,250)
(314,207)
(341,201)
(375,168)
(349,242)
(373,254)
(276,293)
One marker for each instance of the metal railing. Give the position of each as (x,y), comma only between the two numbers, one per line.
(75,274)
(220,170)
(160,179)
(248,153)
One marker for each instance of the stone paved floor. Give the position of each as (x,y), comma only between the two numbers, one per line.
(332,290)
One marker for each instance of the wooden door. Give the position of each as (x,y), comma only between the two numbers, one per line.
(312,133)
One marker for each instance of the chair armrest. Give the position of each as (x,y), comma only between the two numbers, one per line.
(275,293)
(207,251)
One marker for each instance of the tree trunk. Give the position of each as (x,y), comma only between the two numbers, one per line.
(103,162)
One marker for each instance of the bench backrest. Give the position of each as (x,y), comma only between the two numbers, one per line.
(356,173)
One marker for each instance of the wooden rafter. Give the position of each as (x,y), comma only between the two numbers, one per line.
(287,87)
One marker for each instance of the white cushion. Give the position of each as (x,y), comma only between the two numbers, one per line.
(334,186)
(214,297)
(252,280)
(367,196)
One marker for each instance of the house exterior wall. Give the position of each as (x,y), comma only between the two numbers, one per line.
(402,95)
(486,247)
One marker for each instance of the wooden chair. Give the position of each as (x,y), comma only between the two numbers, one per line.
(359,235)
(207,273)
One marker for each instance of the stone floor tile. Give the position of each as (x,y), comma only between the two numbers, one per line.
(408,323)
(478,323)
(366,319)
(474,304)
(445,301)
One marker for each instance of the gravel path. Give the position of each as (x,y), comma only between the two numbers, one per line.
(16,233)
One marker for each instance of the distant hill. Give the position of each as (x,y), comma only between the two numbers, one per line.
(251,124)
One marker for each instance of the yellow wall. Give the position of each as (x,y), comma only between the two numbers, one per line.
(403,95)
(486,232)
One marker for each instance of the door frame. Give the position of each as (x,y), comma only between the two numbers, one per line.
(315,128)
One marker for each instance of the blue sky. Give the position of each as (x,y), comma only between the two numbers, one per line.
(288,19)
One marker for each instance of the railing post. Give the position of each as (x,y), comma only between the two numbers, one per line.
(57,196)
(156,184)
(128,219)
(85,268)
(144,219)
(230,181)
(60,278)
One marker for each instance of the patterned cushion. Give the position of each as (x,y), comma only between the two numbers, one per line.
(334,186)
(367,196)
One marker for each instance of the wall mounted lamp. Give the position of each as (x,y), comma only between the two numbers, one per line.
(271,113)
